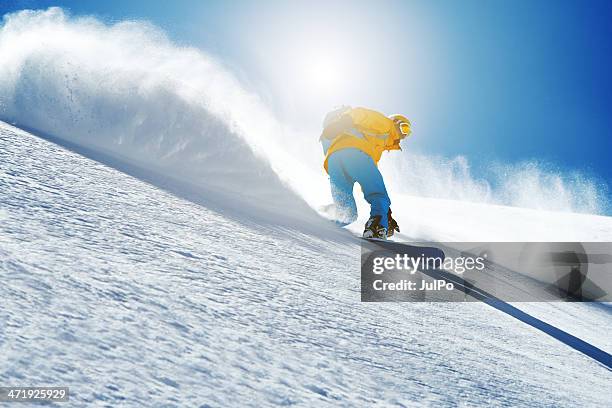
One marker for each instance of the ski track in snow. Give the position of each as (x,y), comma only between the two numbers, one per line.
(134,297)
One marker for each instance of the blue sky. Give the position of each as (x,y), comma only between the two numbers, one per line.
(492,80)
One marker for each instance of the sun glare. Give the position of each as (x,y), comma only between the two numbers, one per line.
(323,74)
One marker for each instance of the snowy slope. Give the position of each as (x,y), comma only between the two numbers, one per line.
(160,245)
(131,295)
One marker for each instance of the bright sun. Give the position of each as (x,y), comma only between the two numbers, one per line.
(323,74)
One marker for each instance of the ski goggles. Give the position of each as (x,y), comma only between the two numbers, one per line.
(404,128)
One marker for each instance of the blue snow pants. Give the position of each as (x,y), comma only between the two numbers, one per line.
(348,166)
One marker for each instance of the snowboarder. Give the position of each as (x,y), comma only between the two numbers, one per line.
(353,140)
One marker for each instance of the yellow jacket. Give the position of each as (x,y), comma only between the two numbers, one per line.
(363,129)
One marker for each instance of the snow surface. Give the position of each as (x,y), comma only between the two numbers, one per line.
(133,296)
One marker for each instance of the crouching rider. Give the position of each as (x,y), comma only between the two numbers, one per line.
(353,140)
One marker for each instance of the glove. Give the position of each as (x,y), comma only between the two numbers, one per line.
(392,225)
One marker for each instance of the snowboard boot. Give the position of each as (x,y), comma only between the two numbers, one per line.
(373,229)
